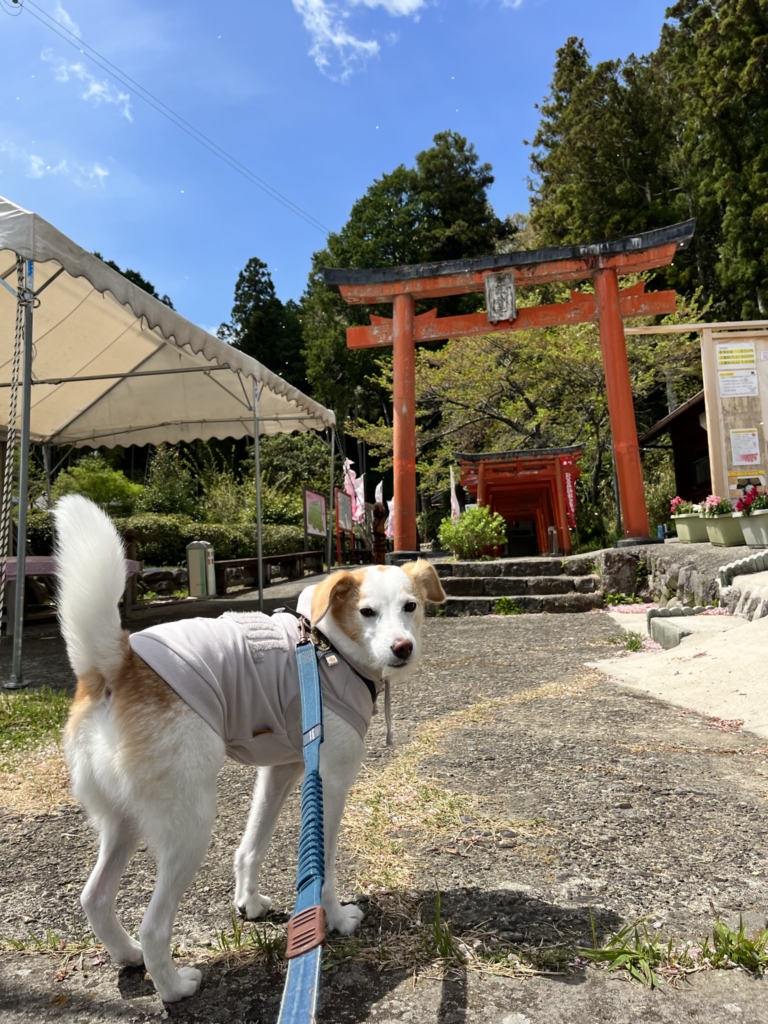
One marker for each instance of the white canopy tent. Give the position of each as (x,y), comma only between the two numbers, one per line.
(105,363)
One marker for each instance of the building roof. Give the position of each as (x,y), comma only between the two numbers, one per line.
(663,425)
(519,454)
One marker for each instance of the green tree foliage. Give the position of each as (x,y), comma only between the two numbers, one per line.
(138,279)
(264,327)
(171,488)
(629,146)
(93,477)
(290,462)
(437,210)
(716,54)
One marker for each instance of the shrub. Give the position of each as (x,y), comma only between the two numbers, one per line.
(473,533)
(93,477)
(506,606)
(165,538)
(40,531)
(170,488)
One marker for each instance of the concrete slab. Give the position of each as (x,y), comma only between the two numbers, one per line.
(671,632)
(719,674)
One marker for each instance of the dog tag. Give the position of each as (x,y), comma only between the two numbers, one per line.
(332,660)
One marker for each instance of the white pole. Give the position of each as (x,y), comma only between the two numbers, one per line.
(257,466)
(21,544)
(329,511)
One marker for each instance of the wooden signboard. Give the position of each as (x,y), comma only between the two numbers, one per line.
(735,367)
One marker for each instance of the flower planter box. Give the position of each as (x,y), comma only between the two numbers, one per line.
(724,531)
(755,528)
(691,528)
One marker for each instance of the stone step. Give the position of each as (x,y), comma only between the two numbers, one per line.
(531,604)
(512,586)
(503,567)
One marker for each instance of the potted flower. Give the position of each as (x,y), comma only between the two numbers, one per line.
(691,528)
(752,509)
(723,528)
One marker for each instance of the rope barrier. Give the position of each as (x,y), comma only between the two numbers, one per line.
(10,441)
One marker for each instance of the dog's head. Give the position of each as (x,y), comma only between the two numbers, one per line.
(374,615)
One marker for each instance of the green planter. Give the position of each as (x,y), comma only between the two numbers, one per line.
(691,528)
(724,531)
(755,528)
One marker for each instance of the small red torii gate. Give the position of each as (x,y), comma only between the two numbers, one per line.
(601,263)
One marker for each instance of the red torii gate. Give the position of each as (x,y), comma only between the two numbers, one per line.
(601,262)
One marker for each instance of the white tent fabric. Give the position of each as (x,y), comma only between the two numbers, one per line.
(92,321)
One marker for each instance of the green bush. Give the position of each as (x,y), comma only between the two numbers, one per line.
(473,533)
(40,531)
(165,538)
(93,477)
(171,488)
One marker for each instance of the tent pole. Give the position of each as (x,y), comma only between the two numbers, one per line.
(16,681)
(257,467)
(329,518)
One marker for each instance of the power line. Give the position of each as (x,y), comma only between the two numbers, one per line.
(167,112)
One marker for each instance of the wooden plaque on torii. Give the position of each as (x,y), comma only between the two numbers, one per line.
(602,263)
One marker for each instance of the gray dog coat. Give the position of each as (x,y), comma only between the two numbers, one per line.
(239,673)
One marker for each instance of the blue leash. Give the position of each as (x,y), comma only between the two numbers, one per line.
(306,929)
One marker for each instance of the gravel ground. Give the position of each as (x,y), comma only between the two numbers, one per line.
(583,799)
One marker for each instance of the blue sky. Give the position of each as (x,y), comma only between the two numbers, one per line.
(316,97)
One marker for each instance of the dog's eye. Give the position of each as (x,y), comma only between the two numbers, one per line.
(367,612)
(409,606)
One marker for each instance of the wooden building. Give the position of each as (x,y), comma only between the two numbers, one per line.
(533,490)
(686,427)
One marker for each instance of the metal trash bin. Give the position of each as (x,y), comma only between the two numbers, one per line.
(202,574)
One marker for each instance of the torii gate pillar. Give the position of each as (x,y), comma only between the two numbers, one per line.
(404,422)
(602,263)
(618,388)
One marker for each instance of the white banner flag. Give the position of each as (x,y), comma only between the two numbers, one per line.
(455,510)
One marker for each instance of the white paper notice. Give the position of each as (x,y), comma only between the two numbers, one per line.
(736,353)
(745,447)
(738,383)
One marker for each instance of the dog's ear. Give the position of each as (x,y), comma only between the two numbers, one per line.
(424,577)
(335,590)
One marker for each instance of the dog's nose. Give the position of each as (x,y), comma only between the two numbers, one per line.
(402,649)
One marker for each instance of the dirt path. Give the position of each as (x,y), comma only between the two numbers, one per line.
(530,793)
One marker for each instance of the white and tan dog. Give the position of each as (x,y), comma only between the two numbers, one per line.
(144,764)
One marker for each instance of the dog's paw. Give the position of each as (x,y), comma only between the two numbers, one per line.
(185,984)
(343,919)
(130,954)
(253,907)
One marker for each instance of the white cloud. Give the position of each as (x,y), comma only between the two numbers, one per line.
(97,90)
(397,8)
(513,4)
(64,19)
(337,52)
(37,167)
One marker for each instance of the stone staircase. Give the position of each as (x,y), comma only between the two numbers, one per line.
(534,584)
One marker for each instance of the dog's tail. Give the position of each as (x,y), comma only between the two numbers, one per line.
(91,570)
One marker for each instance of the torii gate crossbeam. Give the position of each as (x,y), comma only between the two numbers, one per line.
(601,262)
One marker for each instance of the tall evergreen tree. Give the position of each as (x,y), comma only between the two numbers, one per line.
(264,327)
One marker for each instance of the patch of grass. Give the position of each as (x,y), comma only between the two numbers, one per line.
(28,719)
(632,641)
(439,938)
(619,598)
(646,958)
(633,949)
(267,941)
(507,606)
(733,948)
